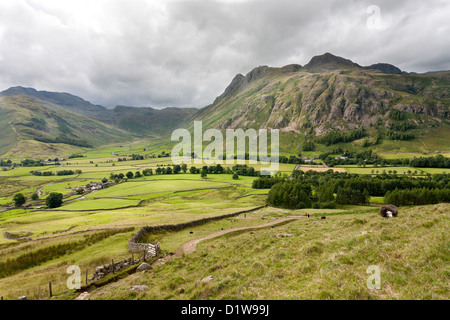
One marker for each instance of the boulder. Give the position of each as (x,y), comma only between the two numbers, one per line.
(207,279)
(139,288)
(144,266)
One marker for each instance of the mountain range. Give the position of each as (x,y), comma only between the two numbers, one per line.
(330,101)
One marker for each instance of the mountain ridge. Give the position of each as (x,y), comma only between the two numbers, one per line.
(328,94)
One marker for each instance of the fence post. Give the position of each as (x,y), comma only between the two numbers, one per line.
(87,276)
(144,255)
(50,288)
(113,266)
(132,257)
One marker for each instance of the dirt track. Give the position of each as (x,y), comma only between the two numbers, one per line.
(191,245)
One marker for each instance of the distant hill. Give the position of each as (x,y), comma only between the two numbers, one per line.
(29,123)
(331,96)
(65,119)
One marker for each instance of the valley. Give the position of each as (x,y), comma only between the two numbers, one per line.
(352,138)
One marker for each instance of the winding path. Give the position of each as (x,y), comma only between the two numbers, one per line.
(191,245)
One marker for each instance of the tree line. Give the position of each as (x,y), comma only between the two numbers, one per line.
(349,188)
(417,196)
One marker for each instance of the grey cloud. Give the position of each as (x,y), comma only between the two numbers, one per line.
(184,53)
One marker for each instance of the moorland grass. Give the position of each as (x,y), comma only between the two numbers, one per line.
(319,259)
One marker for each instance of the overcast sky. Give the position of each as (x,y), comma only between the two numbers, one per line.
(160,53)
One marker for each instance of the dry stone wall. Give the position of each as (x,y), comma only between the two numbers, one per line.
(134,244)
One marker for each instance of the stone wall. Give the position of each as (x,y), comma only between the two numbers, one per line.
(134,244)
(104,270)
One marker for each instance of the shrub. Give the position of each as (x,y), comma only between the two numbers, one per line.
(54,200)
(19,199)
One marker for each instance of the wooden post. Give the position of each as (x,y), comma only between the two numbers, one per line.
(132,257)
(87,276)
(50,288)
(113,265)
(144,255)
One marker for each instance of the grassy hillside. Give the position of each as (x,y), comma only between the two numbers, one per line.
(310,259)
(27,120)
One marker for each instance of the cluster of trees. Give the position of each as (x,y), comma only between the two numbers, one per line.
(397,115)
(58,173)
(237,170)
(244,170)
(292,159)
(32,163)
(352,196)
(290,195)
(422,196)
(393,135)
(341,136)
(367,157)
(308,146)
(217,169)
(350,157)
(68,172)
(76,155)
(42,173)
(376,185)
(267,182)
(53,200)
(137,157)
(430,162)
(402,126)
(6,163)
(349,188)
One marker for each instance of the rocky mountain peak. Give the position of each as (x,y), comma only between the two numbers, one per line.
(329,61)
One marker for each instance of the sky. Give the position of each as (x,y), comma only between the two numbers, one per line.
(184,53)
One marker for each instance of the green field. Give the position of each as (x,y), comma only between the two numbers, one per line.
(97,226)
(380,170)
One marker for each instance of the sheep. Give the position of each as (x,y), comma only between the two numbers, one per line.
(388,211)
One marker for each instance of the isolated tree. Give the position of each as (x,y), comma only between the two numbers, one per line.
(176,168)
(19,199)
(235,176)
(204,173)
(148,172)
(137,174)
(54,200)
(193,170)
(34,196)
(121,176)
(104,180)
(184,167)
(130,175)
